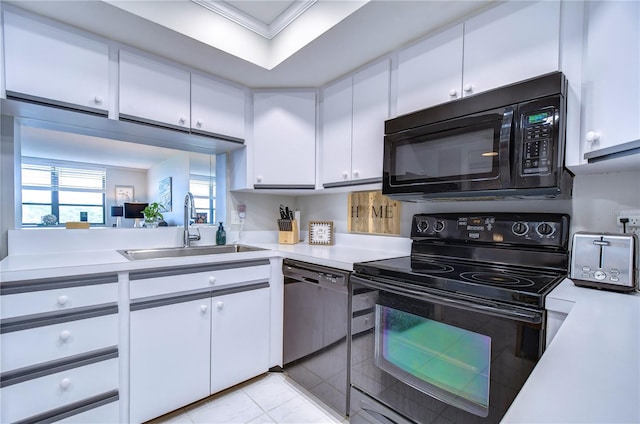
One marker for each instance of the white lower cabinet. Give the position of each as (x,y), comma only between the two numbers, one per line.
(59,353)
(169,357)
(47,393)
(239,337)
(187,344)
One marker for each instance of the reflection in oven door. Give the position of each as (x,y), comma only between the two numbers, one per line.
(430,361)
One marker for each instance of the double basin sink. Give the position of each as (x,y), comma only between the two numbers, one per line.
(179,252)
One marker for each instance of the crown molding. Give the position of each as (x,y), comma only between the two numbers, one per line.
(249,22)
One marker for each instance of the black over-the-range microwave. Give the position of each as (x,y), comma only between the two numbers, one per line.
(504,143)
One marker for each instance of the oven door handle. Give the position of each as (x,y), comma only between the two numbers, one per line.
(491,309)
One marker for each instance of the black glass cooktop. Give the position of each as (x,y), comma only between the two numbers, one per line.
(511,284)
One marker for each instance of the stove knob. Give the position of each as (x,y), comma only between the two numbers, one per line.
(543,229)
(422,226)
(520,228)
(438,226)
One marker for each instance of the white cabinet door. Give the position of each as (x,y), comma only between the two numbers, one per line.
(511,42)
(430,72)
(154,92)
(58,66)
(354,111)
(611,95)
(284,139)
(337,113)
(239,337)
(169,357)
(217,108)
(370,110)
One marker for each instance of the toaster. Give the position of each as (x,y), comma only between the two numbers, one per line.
(604,261)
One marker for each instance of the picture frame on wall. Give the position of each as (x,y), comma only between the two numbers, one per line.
(124,194)
(164,192)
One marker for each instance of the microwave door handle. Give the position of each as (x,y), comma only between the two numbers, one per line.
(505,145)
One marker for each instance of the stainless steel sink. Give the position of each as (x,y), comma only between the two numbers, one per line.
(178,252)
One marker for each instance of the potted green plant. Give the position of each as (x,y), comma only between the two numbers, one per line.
(152,214)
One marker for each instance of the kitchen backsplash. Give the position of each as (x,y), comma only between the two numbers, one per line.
(597,200)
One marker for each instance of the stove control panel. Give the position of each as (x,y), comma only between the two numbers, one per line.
(514,228)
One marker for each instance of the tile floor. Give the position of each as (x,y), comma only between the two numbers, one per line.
(270,398)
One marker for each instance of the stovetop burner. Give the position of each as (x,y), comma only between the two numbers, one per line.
(497,279)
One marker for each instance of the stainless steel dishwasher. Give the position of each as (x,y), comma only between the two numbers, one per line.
(316,330)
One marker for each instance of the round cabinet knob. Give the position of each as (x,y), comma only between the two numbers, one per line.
(65,383)
(97,100)
(453,92)
(259,178)
(65,335)
(345,174)
(182,120)
(220,305)
(203,308)
(199,123)
(468,88)
(212,280)
(356,173)
(62,300)
(592,137)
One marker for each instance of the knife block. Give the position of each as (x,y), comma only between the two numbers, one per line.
(288,233)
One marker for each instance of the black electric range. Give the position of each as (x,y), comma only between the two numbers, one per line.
(512,258)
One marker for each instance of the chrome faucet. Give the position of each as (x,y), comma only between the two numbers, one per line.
(189,213)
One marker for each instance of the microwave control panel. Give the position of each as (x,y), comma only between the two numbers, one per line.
(537,147)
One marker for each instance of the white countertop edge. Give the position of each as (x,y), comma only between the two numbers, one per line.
(18,267)
(590,373)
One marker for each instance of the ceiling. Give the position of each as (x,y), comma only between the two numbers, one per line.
(320,40)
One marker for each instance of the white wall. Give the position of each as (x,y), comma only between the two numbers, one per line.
(597,201)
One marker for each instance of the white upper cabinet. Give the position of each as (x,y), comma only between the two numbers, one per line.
(370,110)
(611,86)
(217,108)
(284,140)
(52,65)
(154,92)
(430,72)
(337,110)
(354,111)
(508,43)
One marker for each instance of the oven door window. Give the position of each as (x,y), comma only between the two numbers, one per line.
(449,363)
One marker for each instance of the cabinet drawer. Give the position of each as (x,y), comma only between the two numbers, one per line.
(153,286)
(41,344)
(362,323)
(105,414)
(58,299)
(39,395)
(364,301)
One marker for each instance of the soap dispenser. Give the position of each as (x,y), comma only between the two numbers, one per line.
(221,235)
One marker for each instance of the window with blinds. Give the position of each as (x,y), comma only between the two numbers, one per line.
(62,190)
(204,195)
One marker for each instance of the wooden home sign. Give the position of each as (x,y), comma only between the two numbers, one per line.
(372,212)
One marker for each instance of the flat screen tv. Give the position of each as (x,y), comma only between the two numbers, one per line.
(134,210)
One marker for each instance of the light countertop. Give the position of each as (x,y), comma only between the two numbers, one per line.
(590,372)
(49,265)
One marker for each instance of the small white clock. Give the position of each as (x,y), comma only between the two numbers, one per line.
(321,232)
